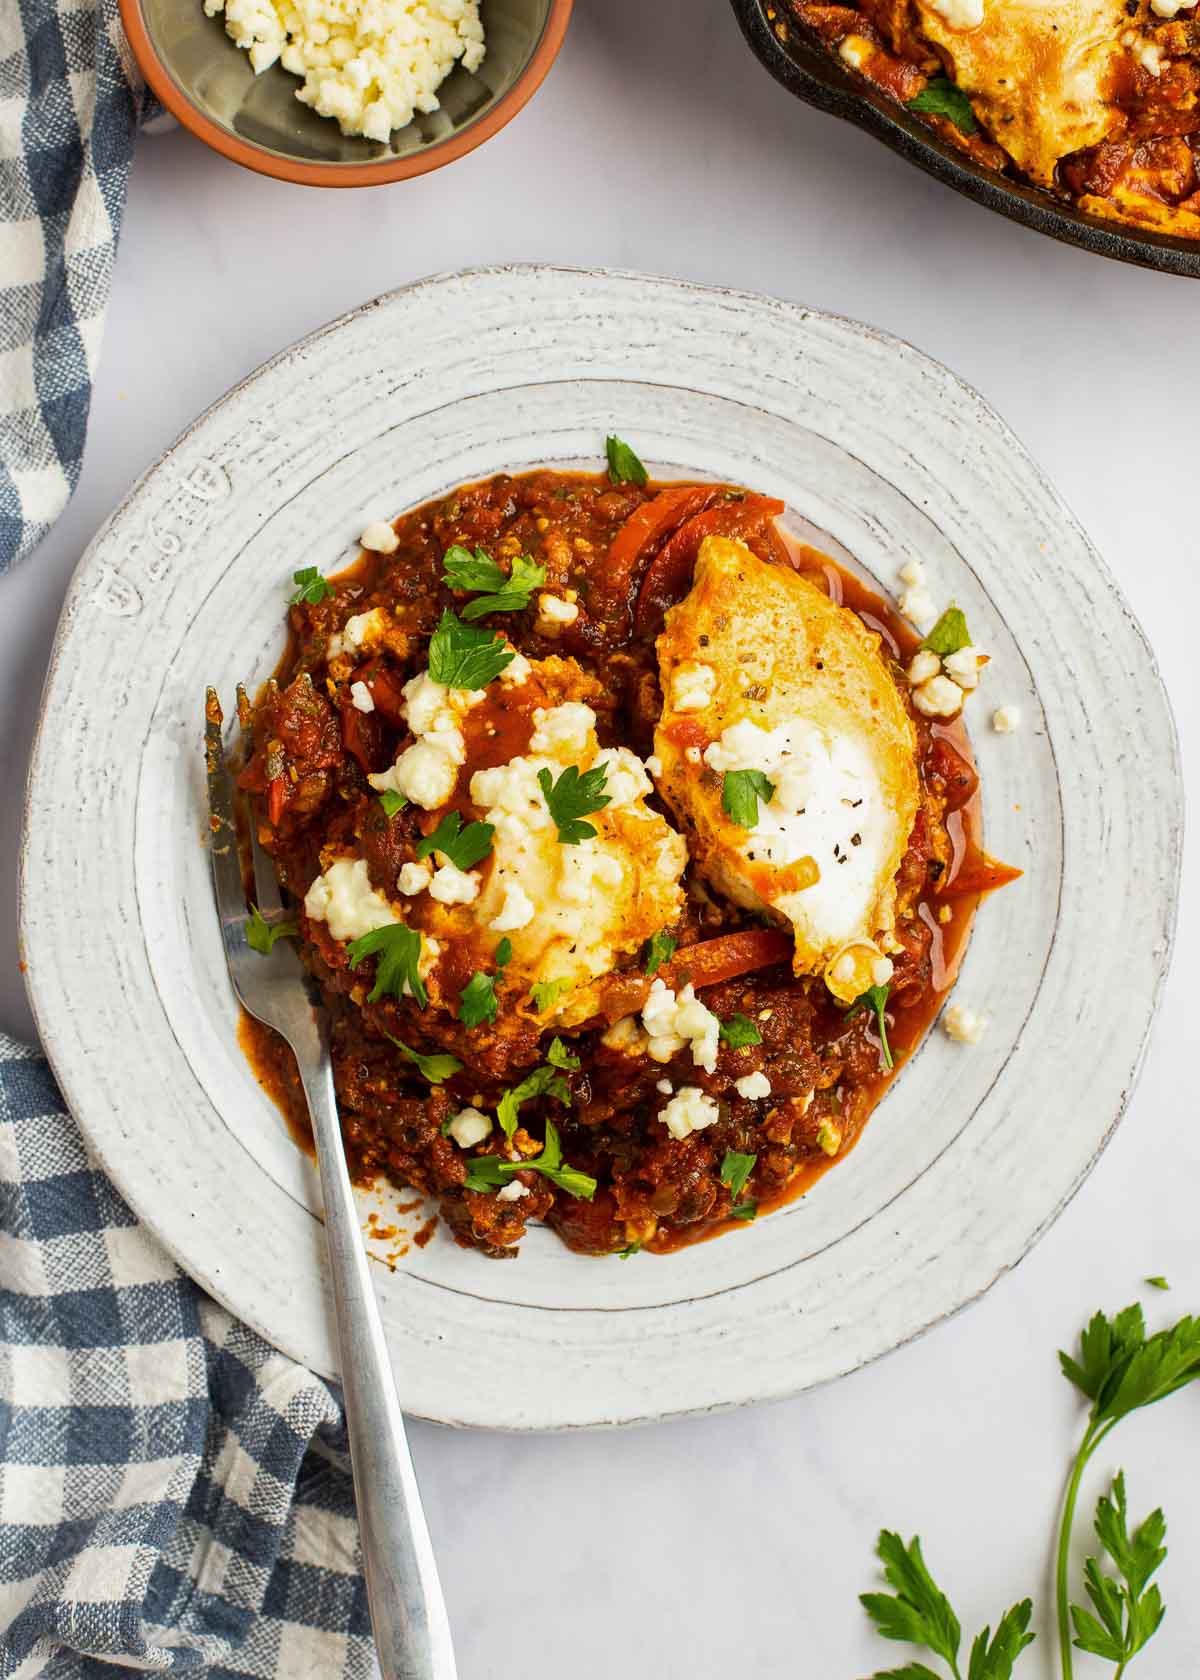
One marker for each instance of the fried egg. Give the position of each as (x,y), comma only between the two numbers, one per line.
(768,685)
(1039,73)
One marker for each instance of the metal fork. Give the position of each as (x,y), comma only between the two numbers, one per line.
(408,1613)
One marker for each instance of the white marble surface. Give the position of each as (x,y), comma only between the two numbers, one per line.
(738,1543)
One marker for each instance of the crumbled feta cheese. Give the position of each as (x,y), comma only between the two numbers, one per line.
(675,1020)
(627,1036)
(1005,719)
(380,538)
(960,14)
(963,667)
(753,1085)
(913,572)
(855,968)
(361,631)
(1149,56)
(625,777)
(553,611)
(1170,8)
(452,885)
(693,755)
(689,1110)
(513,1191)
(939,697)
(566,727)
(344,899)
(692,686)
(424,773)
(855,50)
(414,878)
(925,664)
(963,1024)
(663,1085)
(516,673)
(516,912)
(371,66)
(469,1127)
(361,698)
(654,765)
(427,771)
(918,604)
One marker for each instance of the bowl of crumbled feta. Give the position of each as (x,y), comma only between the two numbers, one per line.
(345,93)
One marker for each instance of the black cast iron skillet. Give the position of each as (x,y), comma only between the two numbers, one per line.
(813,74)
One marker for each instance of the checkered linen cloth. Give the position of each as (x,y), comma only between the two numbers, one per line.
(70,101)
(174,1495)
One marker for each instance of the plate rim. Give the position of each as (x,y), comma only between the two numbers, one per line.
(1169,894)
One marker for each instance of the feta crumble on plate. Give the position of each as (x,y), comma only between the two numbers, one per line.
(369,64)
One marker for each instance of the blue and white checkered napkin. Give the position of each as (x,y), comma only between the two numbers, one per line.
(174,1495)
(70,101)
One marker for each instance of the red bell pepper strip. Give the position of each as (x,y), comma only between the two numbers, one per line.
(275,796)
(641,533)
(669,575)
(706,963)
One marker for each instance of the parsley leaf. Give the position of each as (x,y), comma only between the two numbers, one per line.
(940,98)
(437,1069)
(659,948)
(399,951)
(875,998)
(486,1172)
(1158,1283)
(741,791)
(392,802)
(739,1031)
(949,634)
(573,796)
(464,847)
(261,934)
(1129,1610)
(466,655)
(544,994)
(623,465)
(735,1170)
(543,1081)
(560,1057)
(311,586)
(744,1210)
(919,1613)
(505,592)
(630,1249)
(477,1000)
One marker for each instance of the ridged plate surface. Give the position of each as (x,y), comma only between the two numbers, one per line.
(881,454)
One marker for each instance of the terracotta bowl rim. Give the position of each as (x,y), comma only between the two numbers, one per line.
(266,162)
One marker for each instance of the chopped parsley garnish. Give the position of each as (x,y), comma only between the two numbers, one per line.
(660,948)
(735,1170)
(544,994)
(560,1057)
(398,949)
(502,592)
(623,465)
(573,796)
(741,791)
(739,1031)
(311,586)
(488,1172)
(940,98)
(261,935)
(464,847)
(744,1210)
(875,999)
(1158,1283)
(949,634)
(437,1069)
(477,1000)
(466,655)
(392,802)
(630,1249)
(542,1082)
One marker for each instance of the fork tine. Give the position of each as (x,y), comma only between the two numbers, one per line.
(222,845)
(266,886)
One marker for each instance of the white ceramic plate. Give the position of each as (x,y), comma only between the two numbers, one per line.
(881,455)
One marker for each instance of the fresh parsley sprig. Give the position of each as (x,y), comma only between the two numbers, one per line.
(464,847)
(543,1081)
(940,98)
(544,994)
(398,949)
(261,934)
(623,465)
(1128,1611)
(466,655)
(574,796)
(311,587)
(437,1068)
(659,948)
(392,802)
(477,1002)
(918,1612)
(735,1170)
(739,1031)
(875,999)
(503,591)
(741,791)
(488,1172)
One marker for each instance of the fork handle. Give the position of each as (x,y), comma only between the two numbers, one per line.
(408,1612)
